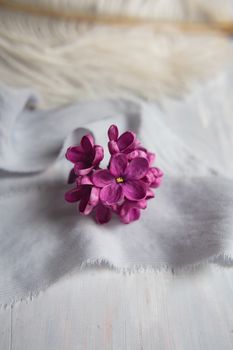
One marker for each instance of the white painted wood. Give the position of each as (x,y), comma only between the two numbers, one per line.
(152,310)
(104,310)
(5,328)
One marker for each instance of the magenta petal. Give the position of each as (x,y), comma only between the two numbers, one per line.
(137,153)
(113,147)
(113,133)
(118,164)
(73,195)
(94,196)
(85,180)
(135,190)
(156,183)
(151,158)
(149,194)
(133,215)
(75,154)
(79,165)
(129,214)
(157,177)
(99,155)
(72,177)
(87,143)
(142,204)
(85,207)
(149,178)
(130,211)
(157,172)
(102,178)
(82,169)
(103,214)
(126,140)
(90,198)
(137,169)
(111,194)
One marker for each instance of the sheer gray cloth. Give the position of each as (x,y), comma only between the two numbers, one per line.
(43,238)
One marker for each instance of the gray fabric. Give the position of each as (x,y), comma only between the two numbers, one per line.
(43,238)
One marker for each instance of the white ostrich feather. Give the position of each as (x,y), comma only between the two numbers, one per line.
(67,61)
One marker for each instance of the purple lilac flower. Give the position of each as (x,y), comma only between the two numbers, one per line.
(122,180)
(123,188)
(87,195)
(72,177)
(125,143)
(85,157)
(131,211)
(154,177)
(103,214)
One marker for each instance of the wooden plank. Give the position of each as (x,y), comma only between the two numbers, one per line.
(151,310)
(5,328)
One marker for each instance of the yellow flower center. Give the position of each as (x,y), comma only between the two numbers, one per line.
(119,180)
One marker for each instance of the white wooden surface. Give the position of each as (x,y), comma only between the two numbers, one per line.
(5,328)
(107,310)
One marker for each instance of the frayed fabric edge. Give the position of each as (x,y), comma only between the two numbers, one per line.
(220,260)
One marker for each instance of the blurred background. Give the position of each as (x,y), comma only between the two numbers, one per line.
(71,50)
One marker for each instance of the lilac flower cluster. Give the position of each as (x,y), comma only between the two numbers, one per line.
(123,188)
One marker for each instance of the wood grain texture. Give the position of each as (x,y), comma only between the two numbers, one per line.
(5,328)
(106,310)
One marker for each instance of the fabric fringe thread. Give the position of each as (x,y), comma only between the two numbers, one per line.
(95,264)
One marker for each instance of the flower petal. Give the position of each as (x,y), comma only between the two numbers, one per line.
(157,172)
(72,177)
(81,168)
(118,164)
(73,195)
(98,155)
(102,178)
(75,154)
(79,165)
(129,214)
(94,196)
(158,175)
(112,147)
(126,140)
(142,204)
(151,158)
(111,194)
(149,194)
(85,180)
(150,177)
(102,214)
(130,211)
(134,190)
(113,133)
(137,153)
(85,207)
(87,143)
(137,169)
